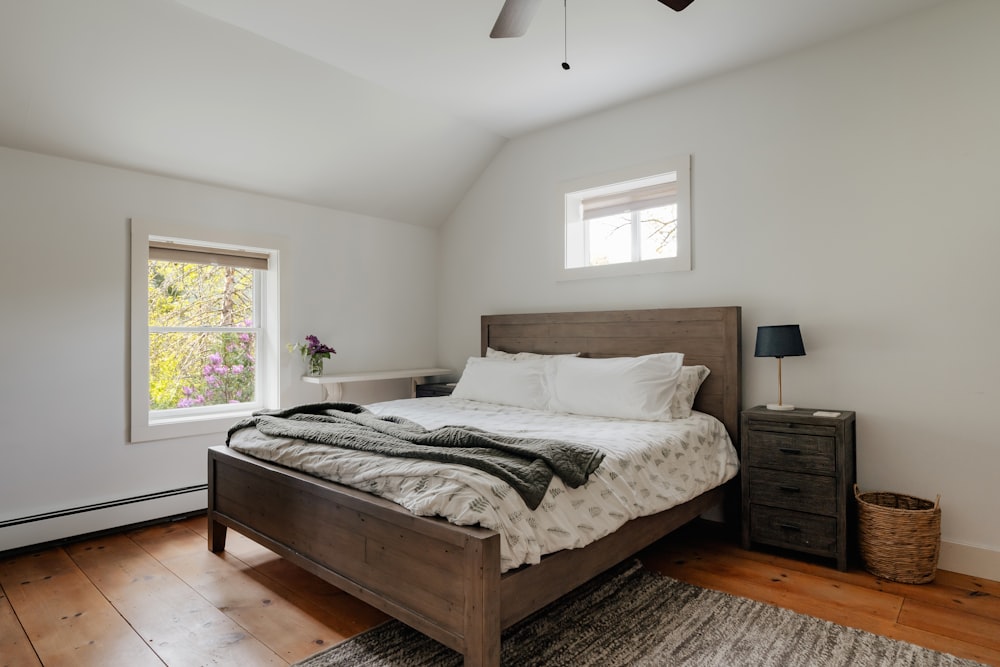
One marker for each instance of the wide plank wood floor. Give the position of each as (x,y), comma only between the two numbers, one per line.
(157,596)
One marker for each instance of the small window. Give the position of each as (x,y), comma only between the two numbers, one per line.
(639,224)
(203,334)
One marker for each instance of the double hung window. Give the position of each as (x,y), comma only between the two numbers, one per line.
(204,338)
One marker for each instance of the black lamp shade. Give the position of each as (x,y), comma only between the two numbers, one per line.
(783,340)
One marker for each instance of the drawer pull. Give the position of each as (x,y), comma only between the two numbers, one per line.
(790,489)
(787,450)
(790,526)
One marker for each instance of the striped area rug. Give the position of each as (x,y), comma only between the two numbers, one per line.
(631,616)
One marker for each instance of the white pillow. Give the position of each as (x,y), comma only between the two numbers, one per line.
(687,388)
(622,387)
(504,381)
(521,356)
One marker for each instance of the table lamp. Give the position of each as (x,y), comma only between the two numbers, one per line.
(783,340)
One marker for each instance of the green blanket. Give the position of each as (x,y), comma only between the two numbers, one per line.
(527,464)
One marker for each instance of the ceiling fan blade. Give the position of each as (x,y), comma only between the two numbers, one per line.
(677,5)
(515,17)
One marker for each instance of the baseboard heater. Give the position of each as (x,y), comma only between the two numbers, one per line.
(102,506)
(96,507)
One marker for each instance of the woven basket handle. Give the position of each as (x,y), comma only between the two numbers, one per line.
(857,496)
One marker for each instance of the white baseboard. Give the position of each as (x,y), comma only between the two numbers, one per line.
(968,559)
(82,521)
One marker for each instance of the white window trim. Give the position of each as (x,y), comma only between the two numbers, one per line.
(200,422)
(573,192)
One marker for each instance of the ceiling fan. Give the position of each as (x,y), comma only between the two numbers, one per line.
(516,15)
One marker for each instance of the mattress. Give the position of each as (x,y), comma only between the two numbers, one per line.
(648,467)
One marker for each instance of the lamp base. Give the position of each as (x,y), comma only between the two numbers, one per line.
(782,406)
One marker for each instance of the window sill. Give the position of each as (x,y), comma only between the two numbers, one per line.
(186,427)
(665,265)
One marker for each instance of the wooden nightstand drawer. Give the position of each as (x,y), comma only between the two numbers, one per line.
(796,491)
(796,530)
(791,427)
(806,453)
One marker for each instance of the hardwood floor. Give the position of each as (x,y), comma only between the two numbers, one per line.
(157,596)
(956,613)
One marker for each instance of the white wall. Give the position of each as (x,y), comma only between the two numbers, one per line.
(363,285)
(852,189)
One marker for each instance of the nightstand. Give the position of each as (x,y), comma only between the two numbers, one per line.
(798,472)
(434,389)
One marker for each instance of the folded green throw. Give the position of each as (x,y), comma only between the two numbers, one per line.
(527,464)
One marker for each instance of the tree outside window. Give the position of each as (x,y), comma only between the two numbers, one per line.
(632,236)
(202,339)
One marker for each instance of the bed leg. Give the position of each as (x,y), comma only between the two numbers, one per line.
(216,531)
(482,603)
(216,536)
(484,656)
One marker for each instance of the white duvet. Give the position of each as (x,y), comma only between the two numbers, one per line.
(648,467)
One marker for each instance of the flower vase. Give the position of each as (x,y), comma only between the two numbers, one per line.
(315,366)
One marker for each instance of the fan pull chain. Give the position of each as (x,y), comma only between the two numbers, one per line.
(565,64)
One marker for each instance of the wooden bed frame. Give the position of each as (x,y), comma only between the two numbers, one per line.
(441,579)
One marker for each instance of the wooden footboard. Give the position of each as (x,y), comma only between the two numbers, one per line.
(528,589)
(441,579)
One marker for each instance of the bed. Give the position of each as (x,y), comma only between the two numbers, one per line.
(456,592)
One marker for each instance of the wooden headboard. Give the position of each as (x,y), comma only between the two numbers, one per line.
(709,336)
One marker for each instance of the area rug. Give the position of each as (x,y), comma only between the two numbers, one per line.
(631,616)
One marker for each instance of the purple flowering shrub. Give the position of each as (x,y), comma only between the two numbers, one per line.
(228,375)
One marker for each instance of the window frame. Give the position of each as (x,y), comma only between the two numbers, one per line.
(623,181)
(144,426)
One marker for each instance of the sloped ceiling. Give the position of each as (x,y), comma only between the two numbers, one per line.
(389,108)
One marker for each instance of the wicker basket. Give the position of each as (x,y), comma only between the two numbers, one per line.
(899,536)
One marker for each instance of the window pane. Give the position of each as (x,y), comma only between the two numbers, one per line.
(634,222)
(199,295)
(201,368)
(609,240)
(659,232)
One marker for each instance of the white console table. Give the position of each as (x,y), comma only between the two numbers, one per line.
(333,385)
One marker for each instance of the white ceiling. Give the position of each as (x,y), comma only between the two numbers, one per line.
(439,50)
(389,108)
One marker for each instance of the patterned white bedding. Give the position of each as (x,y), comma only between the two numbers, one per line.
(649,467)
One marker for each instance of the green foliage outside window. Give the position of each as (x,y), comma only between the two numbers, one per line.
(200,352)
